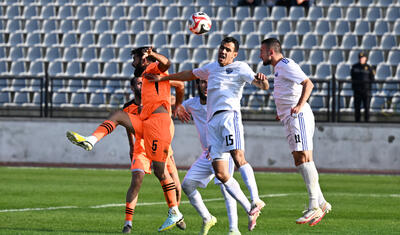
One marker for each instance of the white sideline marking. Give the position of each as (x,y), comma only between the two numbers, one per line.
(186,202)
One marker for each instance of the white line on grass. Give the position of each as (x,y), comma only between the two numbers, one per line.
(186,202)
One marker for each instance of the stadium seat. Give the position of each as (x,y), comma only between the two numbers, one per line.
(18,68)
(160,40)
(336,57)
(256,101)
(265,27)
(51,39)
(329,41)
(93,86)
(283,27)
(383,3)
(323,71)
(315,13)
(228,26)
(247,27)
(73,69)
(375,57)
(343,71)
(14,25)
(296,13)
(365,3)
(106,40)
(297,55)
(334,13)
(322,27)
(13,12)
(254,56)
(111,70)
(224,13)
(37,68)
(55,68)
(260,13)
(52,53)
(96,100)
(394,58)
(85,26)
(112,85)
(127,70)
(77,99)
(120,26)
(353,56)
(252,41)
(83,12)
(100,12)
(361,28)
(156,26)
(317,103)
(306,68)
(381,27)
(177,40)
(17,84)
(67,26)
(342,27)
(118,12)
(34,53)
(388,42)
(87,39)
(65,12)
(33,39)
(174,26)
(142,39)
(388,88)
(16,53)
(32,25)
(136,12)
(117,100)
(378,104)
(195,41)
(5,98)
(20,98)
(349,41)
(181,54)
(316,57)
(373,14)
(92,69)
(71,54)
(107,54)
(50,26)
(309,41)
(74,85)
(69,40)
(344,3)
(153,12)
(30,12)
(396,28)
(278,12)
(48,12)
(290,41)
(392,14)
(102,26)
(368,41)
(16,39)
(171,12)
(303,27)
(242,13)
(353,14)
(383,72)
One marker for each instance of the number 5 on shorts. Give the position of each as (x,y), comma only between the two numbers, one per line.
(154,146)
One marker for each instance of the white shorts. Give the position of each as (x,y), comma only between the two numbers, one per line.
(225,133)
(300,129)
(203,172)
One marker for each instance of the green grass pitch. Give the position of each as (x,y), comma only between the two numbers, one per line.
(91,201)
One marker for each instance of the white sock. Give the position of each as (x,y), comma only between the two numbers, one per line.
(197,202)
(231,209)
(92,140)
(233,187)
(310,176)
(321,199)
(128,222)
(176,209)
(247,174)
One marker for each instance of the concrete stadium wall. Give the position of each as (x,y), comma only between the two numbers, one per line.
(373,147)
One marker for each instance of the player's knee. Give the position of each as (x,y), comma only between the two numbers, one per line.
(222,176)
(238,157)
(188,186)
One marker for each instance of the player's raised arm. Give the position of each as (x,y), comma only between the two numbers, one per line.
(181,76)
(261,81)
(305,94)
(164,62)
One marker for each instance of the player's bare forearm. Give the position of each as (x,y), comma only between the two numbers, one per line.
(164,62)
(179,91)
(261,81)
(306,92)
(181,76)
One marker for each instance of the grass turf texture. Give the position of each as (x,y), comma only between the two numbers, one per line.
(362,204)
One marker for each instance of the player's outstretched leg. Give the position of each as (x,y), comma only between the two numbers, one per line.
(105,128)
(247,173)
(190,188)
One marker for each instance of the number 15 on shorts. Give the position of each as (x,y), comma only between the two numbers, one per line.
(229,140)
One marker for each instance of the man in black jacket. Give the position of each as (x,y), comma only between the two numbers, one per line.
(362,76)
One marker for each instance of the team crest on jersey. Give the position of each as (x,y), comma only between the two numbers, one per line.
(229,70)
(276,74)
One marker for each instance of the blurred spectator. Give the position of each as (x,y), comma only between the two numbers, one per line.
(288,3)
(250,3)
(362,76)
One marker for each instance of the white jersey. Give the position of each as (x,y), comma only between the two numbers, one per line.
(287,87)
(199,114)
(225,85)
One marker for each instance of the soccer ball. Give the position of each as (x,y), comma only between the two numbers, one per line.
(199,23)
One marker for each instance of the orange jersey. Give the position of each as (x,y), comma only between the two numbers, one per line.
(138,148)
(155,94)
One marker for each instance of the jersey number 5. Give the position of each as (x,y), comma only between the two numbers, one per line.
(154,146)
(229,140)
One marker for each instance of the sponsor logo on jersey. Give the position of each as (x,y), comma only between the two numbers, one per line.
(229,70)
(276,74)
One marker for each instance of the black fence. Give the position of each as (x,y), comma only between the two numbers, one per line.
(83,97)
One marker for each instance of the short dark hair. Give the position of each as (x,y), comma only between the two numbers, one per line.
(233,40)
(138,71)
(133,81)
(273,43)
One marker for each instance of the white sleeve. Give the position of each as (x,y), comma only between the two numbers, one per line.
(246,73)
(202,72)
(294,72)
